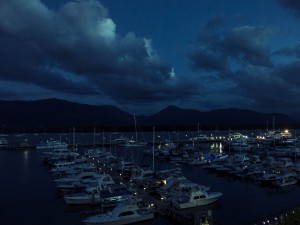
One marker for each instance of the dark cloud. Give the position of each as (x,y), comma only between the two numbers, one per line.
(214,24)
(292,4)
(290,73)
(205,60)
(28,64)
(248,45)
(268,89)
(259,84)
(207,56)
(8,93)
(127,91)
(288,52)
(76,49)
(241,45)
(242,56)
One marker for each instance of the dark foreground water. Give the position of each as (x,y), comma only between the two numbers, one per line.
(28,194)
(29,197)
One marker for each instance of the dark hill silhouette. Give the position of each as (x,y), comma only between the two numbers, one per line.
(60,113)
(222,117)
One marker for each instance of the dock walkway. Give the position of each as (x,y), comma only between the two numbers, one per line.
(194,216)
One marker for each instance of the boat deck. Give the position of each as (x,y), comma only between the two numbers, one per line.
(198,215)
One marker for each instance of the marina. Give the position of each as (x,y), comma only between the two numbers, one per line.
(149,112)
(243,198)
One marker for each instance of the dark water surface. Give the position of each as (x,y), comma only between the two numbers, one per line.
(29,196)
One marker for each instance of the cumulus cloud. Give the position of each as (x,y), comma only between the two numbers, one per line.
(242,56)
(241,45)
(76,51)
(52,48)
(248,45)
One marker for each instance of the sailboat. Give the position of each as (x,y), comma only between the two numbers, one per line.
(133,142)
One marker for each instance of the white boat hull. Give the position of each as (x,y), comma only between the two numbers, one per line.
(99,220)
(82,200)
(212,197)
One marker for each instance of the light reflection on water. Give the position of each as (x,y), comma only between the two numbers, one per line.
(25,163)
(216,147)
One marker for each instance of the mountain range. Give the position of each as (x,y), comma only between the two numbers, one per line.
(56,113)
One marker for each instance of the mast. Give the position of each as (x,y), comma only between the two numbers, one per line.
(153,148)
(103,137)
(135,127)
(73,137)
(94,137)
(229,140)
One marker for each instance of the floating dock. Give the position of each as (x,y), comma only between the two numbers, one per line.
(194,216)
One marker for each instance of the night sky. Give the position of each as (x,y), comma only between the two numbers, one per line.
(143,55)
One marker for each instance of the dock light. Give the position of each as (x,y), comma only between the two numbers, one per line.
(120,174)
(286,131)
(144,188)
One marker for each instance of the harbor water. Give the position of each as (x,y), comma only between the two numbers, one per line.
(29,195)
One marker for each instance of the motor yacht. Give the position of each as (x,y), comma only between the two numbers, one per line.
(127,212)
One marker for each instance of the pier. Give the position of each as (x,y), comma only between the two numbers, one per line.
(193,216)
